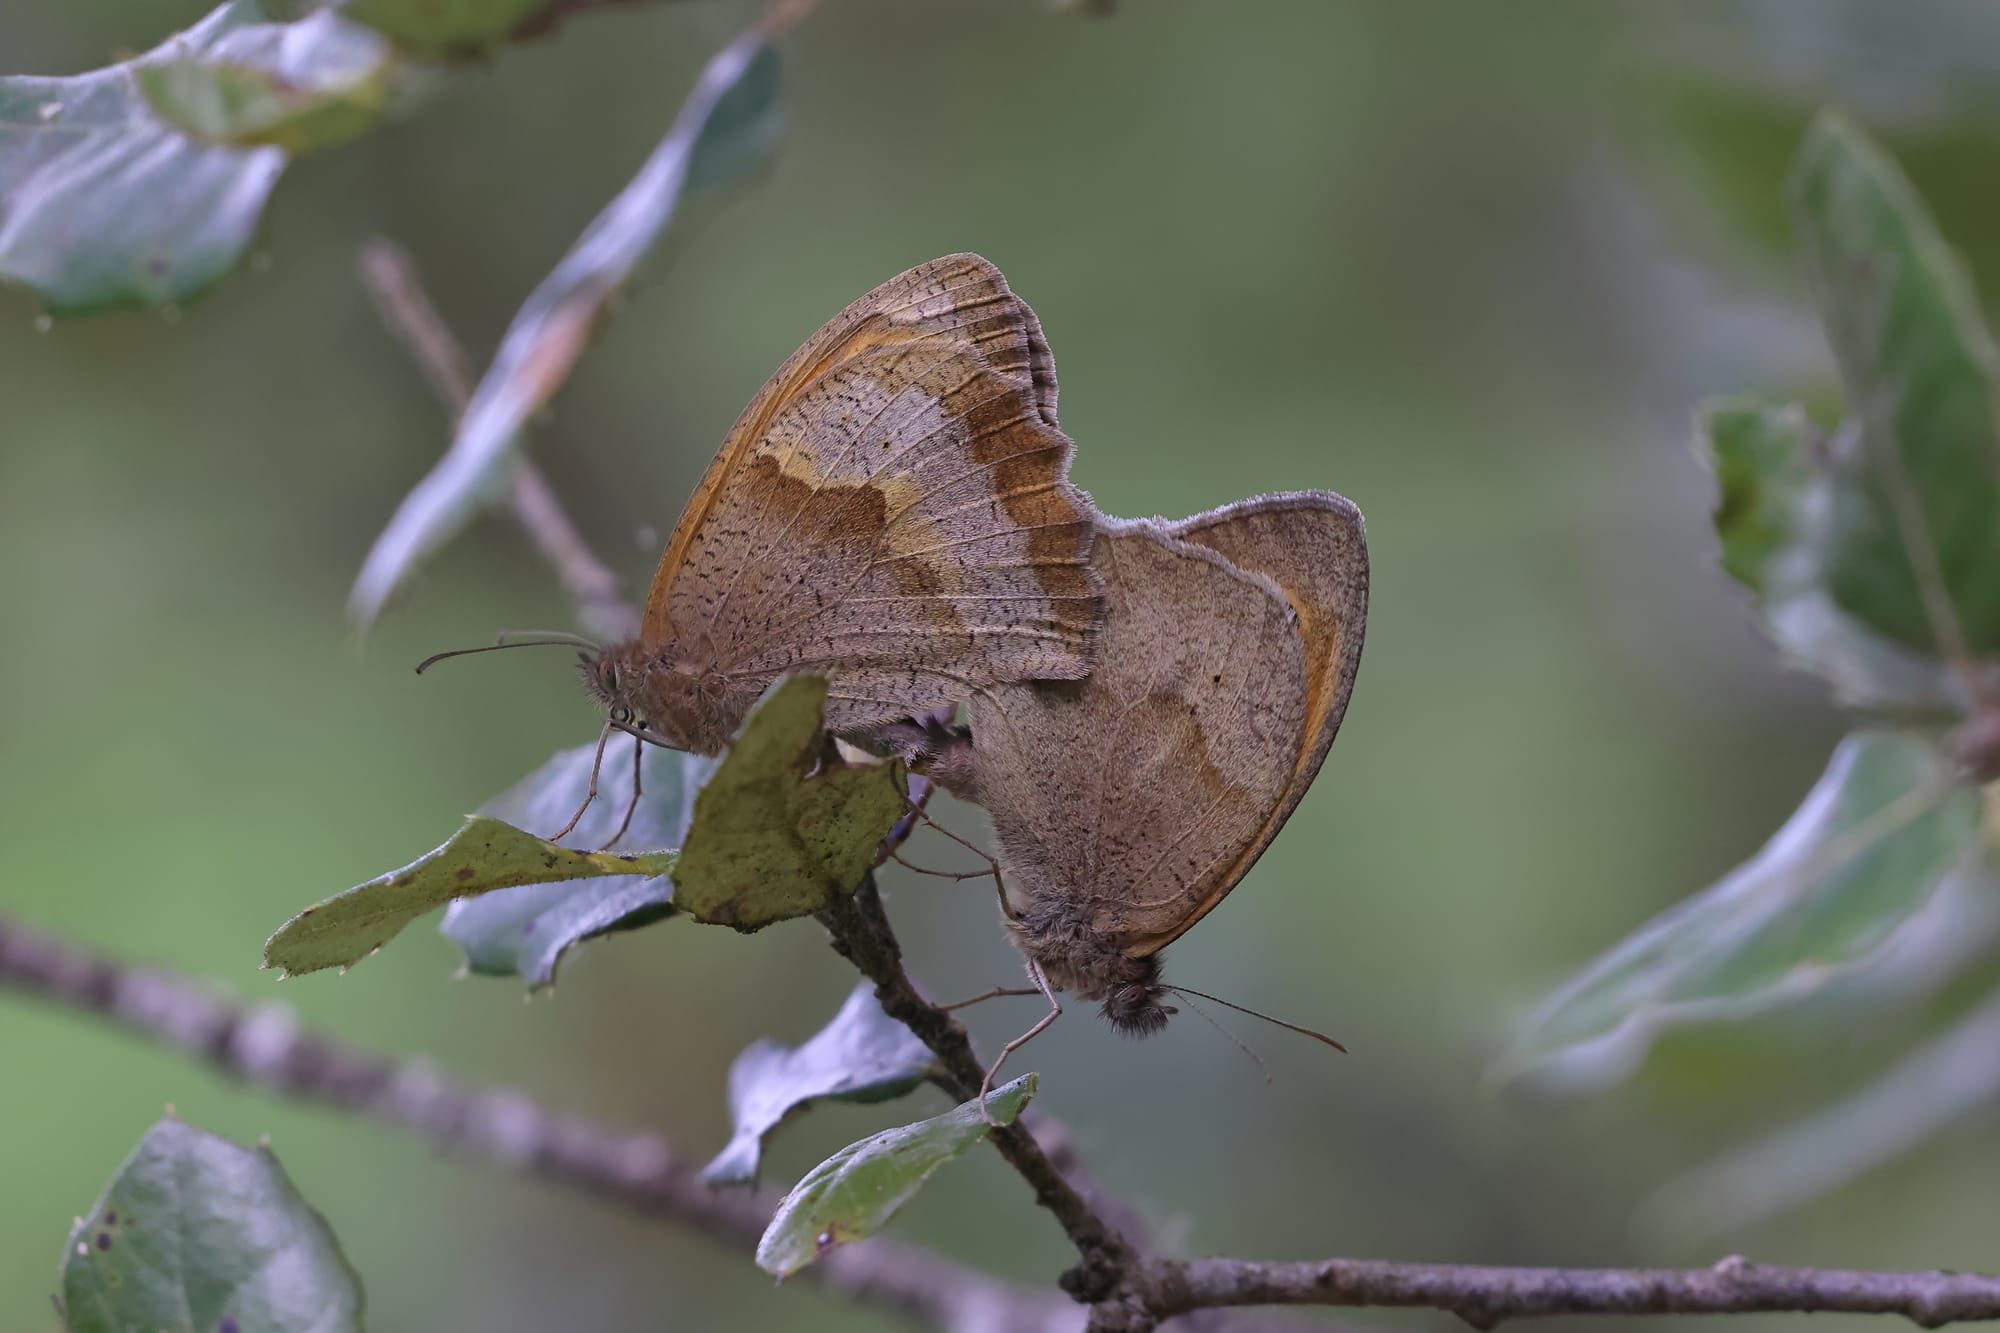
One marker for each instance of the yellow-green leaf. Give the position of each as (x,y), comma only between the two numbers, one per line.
(777,832)
(527,930)
(297,86)
(484,855)
(853,1194)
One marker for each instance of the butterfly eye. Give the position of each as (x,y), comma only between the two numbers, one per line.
(611,677)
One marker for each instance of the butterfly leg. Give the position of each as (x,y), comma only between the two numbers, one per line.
(1036,975)
(590,794)
(897,857)
(997,993)
(631,806)
(992,866)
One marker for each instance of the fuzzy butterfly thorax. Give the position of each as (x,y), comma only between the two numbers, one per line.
(1092,966)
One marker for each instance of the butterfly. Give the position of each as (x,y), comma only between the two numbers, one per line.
(1126,806)
(892,511)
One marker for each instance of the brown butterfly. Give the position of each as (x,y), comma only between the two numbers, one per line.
(892,511)
(1128,805)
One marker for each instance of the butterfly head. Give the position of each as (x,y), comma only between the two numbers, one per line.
(608,675)
(671,700)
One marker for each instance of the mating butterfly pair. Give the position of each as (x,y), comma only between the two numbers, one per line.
(1147,701)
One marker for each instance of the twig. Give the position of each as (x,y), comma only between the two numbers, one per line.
(390,277)
(1132,1293)
(862,935)
(263,1046)
(1483,1297)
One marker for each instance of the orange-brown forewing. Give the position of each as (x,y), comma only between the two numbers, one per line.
(892,510)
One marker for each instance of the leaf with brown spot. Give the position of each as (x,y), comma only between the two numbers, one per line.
(197,1233)
(777,832)
(485,854)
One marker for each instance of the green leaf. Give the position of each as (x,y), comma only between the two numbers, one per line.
(1919,499)
(524,931)
(444,28)
(195,1235)
(853,1194)
(777,833)
(714,132)
(863,1055)
(297,86)
(105,203)
(485,854)
(1945,1080)
(1881,830)
(1774,516)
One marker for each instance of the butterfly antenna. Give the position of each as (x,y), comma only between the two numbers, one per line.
(591,794)
(1235,1040)
(1194,994)
(551,639)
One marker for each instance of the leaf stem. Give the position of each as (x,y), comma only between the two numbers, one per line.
(389,276)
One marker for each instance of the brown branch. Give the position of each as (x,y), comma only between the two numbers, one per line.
(390,278)
(1483,1297)
(862,935)
(264,1047)
(1132,1293)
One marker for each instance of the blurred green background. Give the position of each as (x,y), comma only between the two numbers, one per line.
(1469,264)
